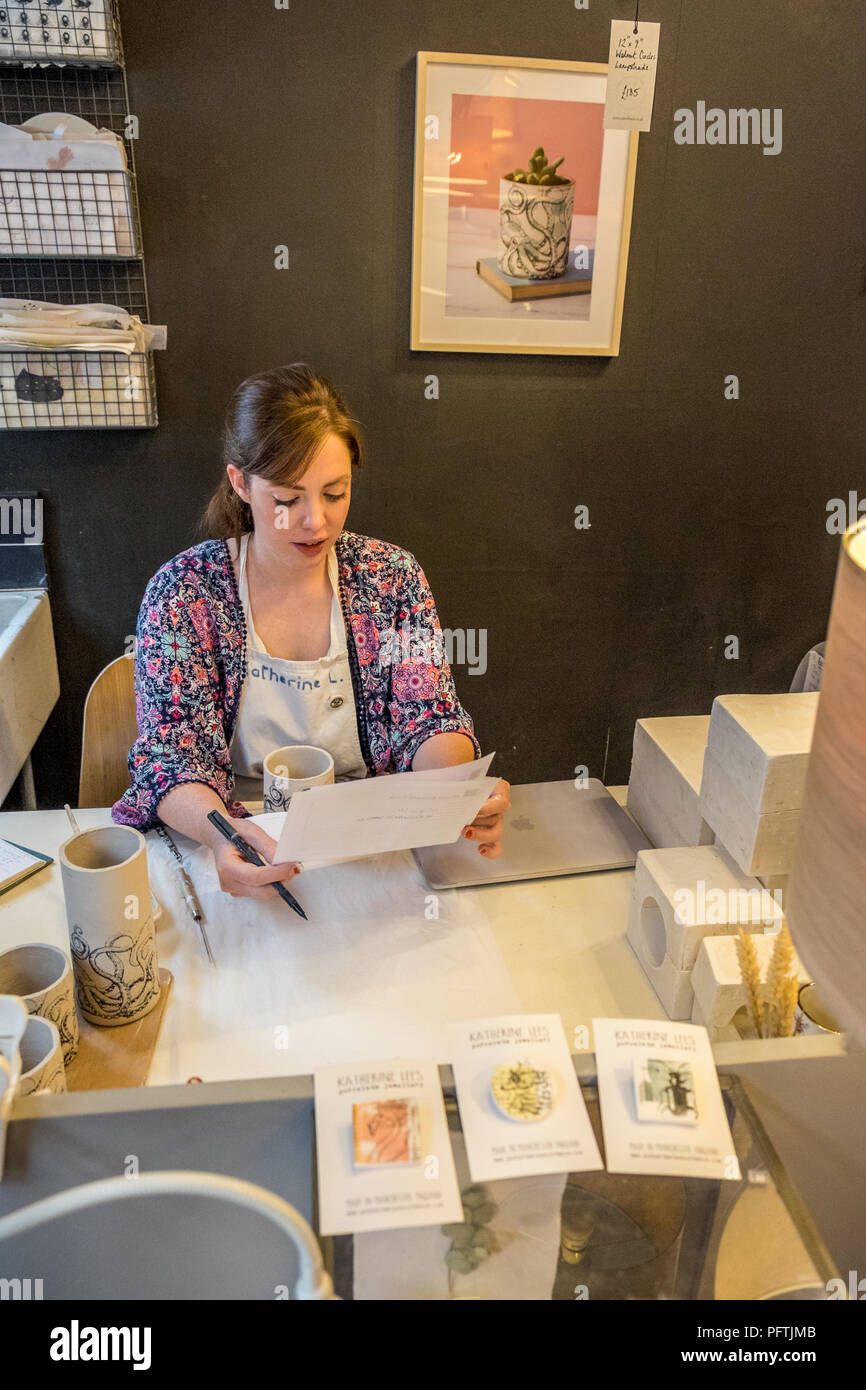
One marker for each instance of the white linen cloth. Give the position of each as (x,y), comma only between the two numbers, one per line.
(369,974)
(293,702)
(34,323)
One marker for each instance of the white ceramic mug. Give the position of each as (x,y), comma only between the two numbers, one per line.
(293,769)
(111,931)
(41,975)
(41,1058)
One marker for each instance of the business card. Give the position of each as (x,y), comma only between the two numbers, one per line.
(521,1108)
(383,1151)
(661,1106)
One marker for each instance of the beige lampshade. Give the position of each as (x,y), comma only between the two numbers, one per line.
(827,890)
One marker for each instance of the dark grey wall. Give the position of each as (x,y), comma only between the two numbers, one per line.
(261,126)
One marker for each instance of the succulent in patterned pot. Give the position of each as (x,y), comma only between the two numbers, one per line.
(536,206)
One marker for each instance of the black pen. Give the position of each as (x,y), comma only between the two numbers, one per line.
(252,857)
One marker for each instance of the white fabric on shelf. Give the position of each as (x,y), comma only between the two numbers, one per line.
(38,324)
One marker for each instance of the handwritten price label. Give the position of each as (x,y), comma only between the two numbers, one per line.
(631,75)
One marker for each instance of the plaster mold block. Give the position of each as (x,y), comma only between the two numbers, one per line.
(719,991)
(777,884)
(673,986)
(761,844)
(665,780)
(763,742)
(679,896)
(754,776)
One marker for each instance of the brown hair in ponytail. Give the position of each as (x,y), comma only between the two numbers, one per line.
(276,423)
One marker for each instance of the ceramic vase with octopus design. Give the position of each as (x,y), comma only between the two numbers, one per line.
(535,229)
(111,931)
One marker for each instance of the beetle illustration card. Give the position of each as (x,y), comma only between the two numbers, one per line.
(665,1090)
(661,1105)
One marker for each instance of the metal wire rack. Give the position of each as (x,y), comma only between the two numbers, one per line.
(62,281)
(76,237)
(96,94)
(76,390)
(70,212)
(63,31)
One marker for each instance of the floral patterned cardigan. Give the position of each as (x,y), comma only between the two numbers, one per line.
(190,664)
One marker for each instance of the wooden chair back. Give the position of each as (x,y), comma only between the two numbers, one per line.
(110,730)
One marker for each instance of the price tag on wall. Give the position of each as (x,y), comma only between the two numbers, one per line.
(631,75)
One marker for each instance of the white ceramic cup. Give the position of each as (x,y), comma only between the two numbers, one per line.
(41,975)
(293,769)
(41,1058)
(812,1015)
(111,931)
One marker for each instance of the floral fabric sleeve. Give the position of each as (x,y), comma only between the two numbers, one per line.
(423,699)
(178,699)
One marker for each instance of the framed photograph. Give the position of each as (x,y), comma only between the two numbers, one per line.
(522,207)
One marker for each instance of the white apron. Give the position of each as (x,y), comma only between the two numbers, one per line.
(285,702)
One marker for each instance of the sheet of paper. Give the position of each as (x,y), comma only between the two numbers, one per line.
(521,1108)
(13,859)
(631,75)
(272,823)
(661,1107)
(377,814)
(383,1153)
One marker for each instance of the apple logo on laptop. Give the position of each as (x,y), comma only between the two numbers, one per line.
(521,823)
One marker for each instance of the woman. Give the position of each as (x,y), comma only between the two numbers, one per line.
(284,628)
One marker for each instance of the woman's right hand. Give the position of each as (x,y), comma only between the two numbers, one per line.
(237,876)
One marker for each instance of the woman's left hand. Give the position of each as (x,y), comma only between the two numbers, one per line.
(487,825)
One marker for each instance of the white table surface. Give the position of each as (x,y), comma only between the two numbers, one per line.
(370,975)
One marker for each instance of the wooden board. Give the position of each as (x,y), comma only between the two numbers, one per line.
(112,1057)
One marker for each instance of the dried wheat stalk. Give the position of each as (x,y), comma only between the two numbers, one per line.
(772,1004)
(777,984)
(788,1003)
(751,974)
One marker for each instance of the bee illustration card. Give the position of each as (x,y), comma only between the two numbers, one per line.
(521,1108)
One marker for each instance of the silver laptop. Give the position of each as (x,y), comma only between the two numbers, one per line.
(552,828)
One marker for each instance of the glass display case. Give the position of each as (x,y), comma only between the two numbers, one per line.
(581,1236)
(603,1235)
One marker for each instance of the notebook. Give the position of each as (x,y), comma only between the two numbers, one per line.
(18,863)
